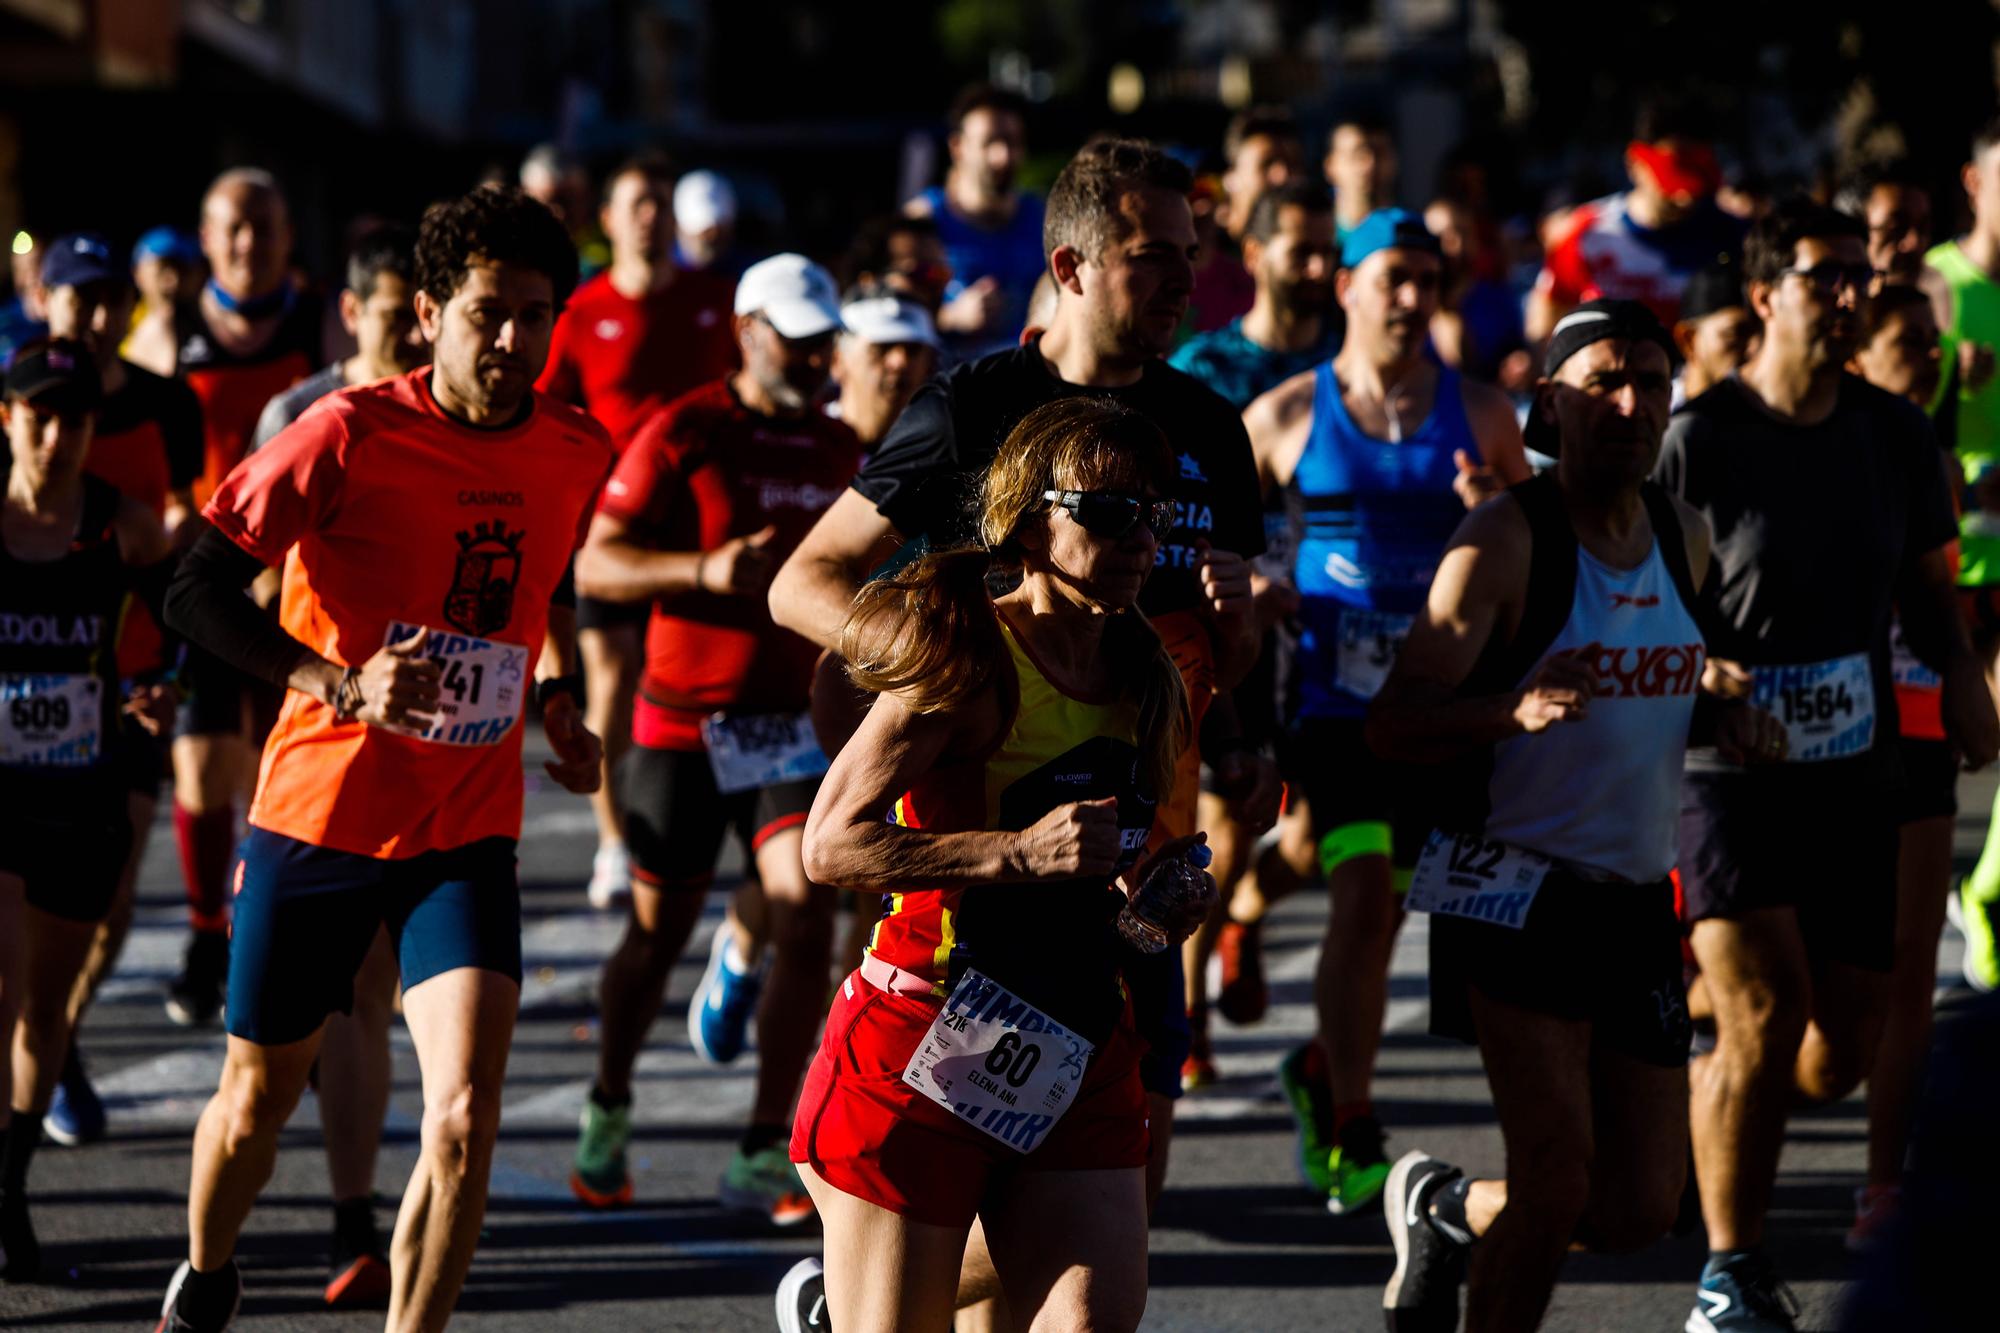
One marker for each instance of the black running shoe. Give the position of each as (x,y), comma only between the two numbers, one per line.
(22,1252)
(1422,1295)
(1743,1297)
(186,1311)
(195,996)
(358,1276)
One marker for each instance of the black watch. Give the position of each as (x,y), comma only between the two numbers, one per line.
(547,688)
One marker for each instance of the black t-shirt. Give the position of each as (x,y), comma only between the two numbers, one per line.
(1814,525)
(925,476)
(171,406)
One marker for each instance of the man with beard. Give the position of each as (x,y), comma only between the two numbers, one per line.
(1828,507)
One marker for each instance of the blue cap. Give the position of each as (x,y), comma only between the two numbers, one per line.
(167,243)
(78,258)
(1388,229)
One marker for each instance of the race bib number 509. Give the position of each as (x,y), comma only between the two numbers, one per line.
(481,689)
(49,721)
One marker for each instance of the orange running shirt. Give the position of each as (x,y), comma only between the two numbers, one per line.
(386,515)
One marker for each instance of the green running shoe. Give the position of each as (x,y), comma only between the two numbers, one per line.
(1981,964)
(1359,1166)
(600,1178)
(1312,1108)
(766,1182)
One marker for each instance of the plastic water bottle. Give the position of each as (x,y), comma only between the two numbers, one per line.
(1164,897)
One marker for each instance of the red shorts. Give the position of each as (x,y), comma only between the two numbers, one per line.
(869,1134)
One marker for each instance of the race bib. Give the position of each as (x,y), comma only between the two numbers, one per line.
(1369,642)
(998,1063)
(482,690)
(1462,874)
(748,751)
(1827,708)
(1905,667)
(50,721)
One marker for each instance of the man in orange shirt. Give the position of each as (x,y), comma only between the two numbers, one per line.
(424,523)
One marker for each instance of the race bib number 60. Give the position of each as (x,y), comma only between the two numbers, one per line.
(998,1063)
(481,690)
(1462,874)
(1828,708)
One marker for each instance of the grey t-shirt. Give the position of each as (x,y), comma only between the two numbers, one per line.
(290,405)
(1815,525)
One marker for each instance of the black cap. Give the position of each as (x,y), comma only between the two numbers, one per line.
(1595,321)
(60,373)
(1717,286)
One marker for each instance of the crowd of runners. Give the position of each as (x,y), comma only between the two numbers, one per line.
(1070,572)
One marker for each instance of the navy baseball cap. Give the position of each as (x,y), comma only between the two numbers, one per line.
(1388,229)
(78,258)
(60,373)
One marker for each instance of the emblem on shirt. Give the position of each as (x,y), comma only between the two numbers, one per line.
(610,330)
(1191,468)
(481,598)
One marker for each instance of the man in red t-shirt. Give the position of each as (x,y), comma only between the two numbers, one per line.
(633,339)
(714,492)
(424,524)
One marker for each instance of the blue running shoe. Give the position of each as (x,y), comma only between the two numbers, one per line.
(75,1115)
(719,1014)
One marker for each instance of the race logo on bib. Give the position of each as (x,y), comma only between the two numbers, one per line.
(481,599)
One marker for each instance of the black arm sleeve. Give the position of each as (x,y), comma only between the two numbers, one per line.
(205,604)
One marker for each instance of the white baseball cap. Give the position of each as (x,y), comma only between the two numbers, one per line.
(702,200)
(889,319)
(797,296)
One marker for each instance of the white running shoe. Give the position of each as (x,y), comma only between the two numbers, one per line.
(610,877)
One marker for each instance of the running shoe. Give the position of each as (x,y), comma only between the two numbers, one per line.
(600,1177)
(1874,1211)
(75,1115)
(719,1015)
(1743,1297)
(1359,1167)
(358,1276)
(802,1299)
(179,1312)
(610,877)
(766,1182)
(1312,1109)
(20,1252)
(195,996)
(1974,920)
(1422,1295)
(1243,997)
(1197,1072)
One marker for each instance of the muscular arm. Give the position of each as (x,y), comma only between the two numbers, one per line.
(1498,432)
(814,589)
(614,566)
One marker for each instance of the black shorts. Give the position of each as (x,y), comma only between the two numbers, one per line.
(216,699)
(70,852)
(675,817)
(1823,845)
(1930,780)
(1604,954)
(594,614)
(1360,803)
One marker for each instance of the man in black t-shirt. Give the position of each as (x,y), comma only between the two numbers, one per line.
(1827,504)
(1119,240)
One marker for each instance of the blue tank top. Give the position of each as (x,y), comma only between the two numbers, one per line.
(1373,517)
(1012,256)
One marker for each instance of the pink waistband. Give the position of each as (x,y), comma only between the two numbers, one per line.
(884,975)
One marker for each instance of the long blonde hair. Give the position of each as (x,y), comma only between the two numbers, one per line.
(929,631)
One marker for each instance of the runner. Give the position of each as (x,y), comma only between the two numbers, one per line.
(1557,660)
(147,444)
(991,228)
(1795,935)
(378,310)
(1715,330)
(1005,774)
(72,550)
(1360,165)
(633,339)
(714,491)
(1119,236)
(887,347)
(168,269)
(1893,203)
(1642,244)
(1378,452)
(898,255)
(705,224)
(1900,354)
(424,523)
(1262,152)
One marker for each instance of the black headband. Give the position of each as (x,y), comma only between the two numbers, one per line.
(1594,321)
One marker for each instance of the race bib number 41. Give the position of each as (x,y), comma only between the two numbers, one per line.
(49,721)
(1369,642)
(481,691)
(761,749)
(1461,874)
(1828,708)
(999,1064)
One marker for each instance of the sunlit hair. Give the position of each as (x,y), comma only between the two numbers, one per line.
(929,631)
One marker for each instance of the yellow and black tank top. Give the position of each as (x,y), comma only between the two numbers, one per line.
(1052,943)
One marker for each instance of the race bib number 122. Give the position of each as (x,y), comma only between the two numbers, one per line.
(1462,874)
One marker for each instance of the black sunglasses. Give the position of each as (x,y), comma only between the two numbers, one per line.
(1829,276)
(1112,514)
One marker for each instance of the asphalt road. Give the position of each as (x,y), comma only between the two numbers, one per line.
(1237,1243)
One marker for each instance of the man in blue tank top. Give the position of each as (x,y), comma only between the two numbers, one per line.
(1380,452)
(991,228)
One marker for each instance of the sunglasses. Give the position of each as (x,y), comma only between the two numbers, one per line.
(1829,276)
(1112,514)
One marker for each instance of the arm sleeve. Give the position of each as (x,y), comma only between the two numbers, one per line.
(205,603)
(912,476)
(286,489)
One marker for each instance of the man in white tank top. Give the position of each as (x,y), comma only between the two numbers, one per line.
(1556,667)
